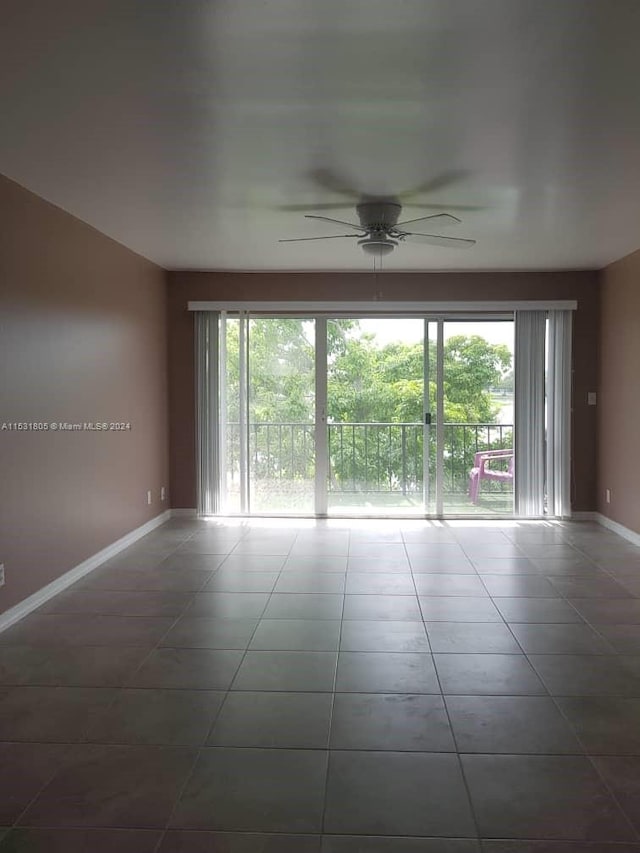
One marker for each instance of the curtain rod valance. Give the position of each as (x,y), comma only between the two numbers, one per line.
(336,307)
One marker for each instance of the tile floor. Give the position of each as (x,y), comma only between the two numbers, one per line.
(331,687)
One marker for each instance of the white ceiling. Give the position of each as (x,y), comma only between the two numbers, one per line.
(182,127)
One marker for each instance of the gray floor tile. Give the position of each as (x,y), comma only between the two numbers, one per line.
(436,551)
(50,714)
(391,793)
(386,672)
(559,639)
(508,675)
(291,605)
(590,588)
(198,632)
(261,790)
(450,584)
(504,566)
(81,841)
(87,630)
(376,533)
(313,635)
(475,637)
(120,786)
(622,775)
(26,769)
(195,841)
(458,609)
(383,636)
(519,586)
(87,666)
(316,562)
(604,725)
(442,566)
(567,567)
(231,580)
(284,670)
(163,717)
(331,582)
(587,675)
(228,605)
(335,547)
(253,563)
(373,607)
(380,583)
(269,546)
(181,561)
(290,720)
(159,579)
(623,638)
(419,532)
(369,721)
(536,796)
(372,565)
(607,611)
(378,551)
(510,724)
(537,610)
(486,550)
(17,662)
(378,844)
(184,669)
(512,846)
(549,550)
(119,603)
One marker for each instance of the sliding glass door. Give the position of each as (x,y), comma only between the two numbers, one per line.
(268,435)
(370,415)
(477,403)
(375,416)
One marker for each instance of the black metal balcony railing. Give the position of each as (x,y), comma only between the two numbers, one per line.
(366,457)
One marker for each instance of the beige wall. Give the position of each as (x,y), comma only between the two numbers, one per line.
(82,338)
(185,286)
(619,392)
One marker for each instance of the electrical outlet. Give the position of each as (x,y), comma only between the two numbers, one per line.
(149,497)
(607,495)
(1,574)
(592,398)
(163,494)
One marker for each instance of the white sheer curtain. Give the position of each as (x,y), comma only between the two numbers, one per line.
(559,414)
(529,413)
(207,412)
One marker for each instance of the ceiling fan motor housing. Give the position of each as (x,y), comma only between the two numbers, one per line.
(378,215)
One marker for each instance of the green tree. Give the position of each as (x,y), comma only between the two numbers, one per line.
(366,383)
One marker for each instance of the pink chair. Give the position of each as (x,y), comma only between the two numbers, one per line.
(482,471)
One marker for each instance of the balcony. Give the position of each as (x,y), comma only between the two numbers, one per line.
(373,467)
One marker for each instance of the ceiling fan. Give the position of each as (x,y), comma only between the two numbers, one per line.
(379,231)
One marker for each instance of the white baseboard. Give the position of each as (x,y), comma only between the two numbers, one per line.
(620,529)
(584,516)
(20,610)
(184,512)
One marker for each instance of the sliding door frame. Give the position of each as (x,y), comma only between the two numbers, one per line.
(320,312)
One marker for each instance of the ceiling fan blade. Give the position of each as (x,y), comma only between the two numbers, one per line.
(338,221)
(424,206)
(437,218)
(334,181)
(330,237)
(436,240)
(446,179)
(300,208)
